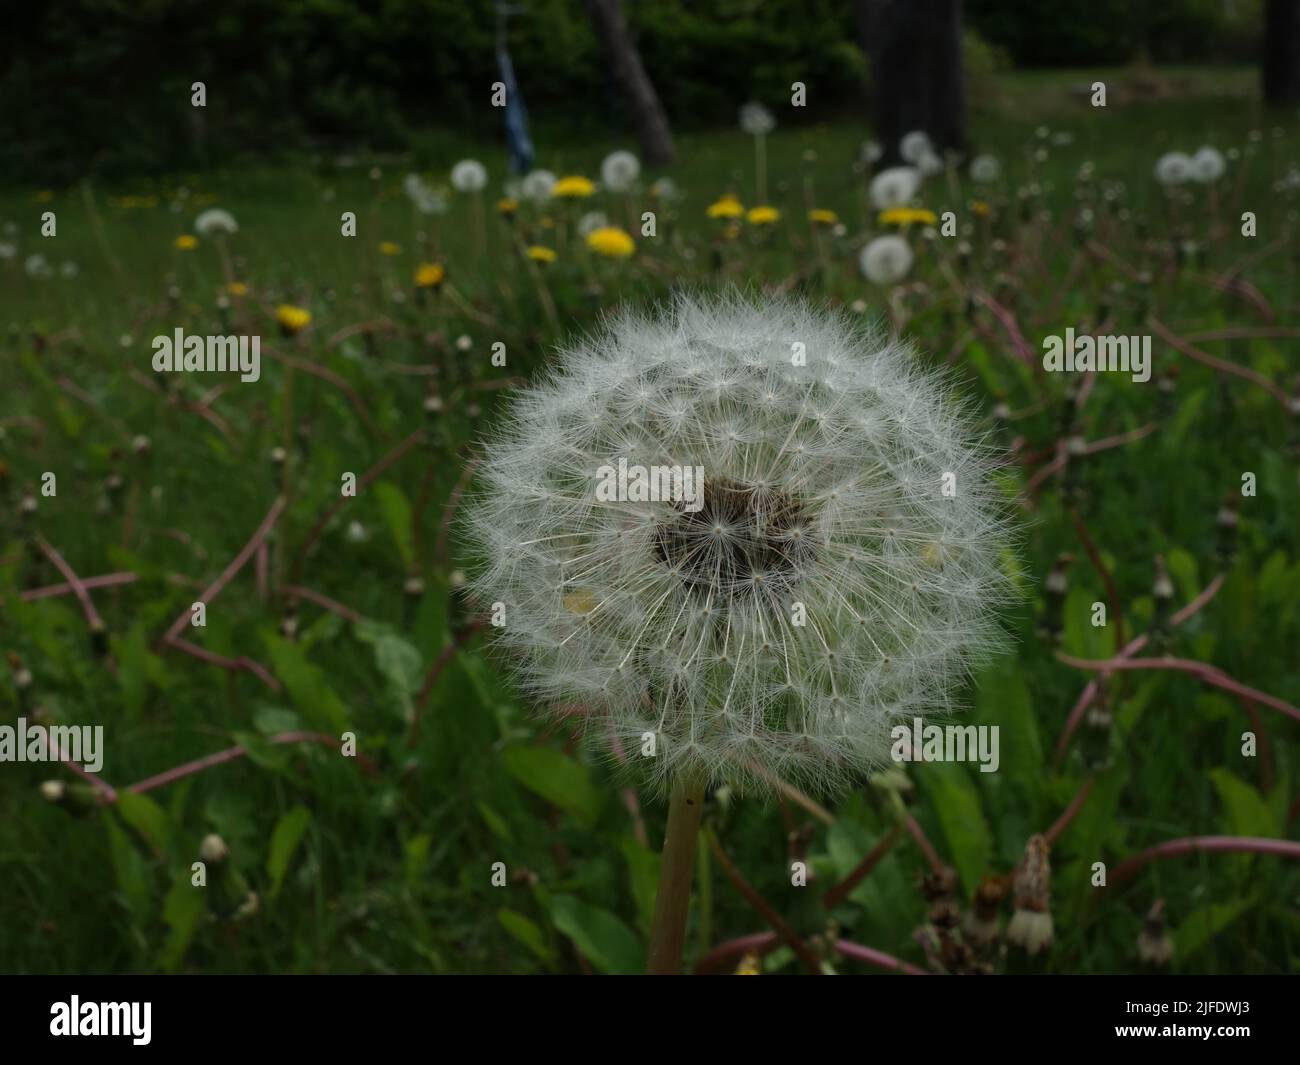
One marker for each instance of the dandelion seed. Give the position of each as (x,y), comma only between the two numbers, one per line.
(895,187)
(537,186)
(1174,168)
(985,169)
(756,120)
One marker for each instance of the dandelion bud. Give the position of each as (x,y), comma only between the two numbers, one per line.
(1155,947)
(278,455)
(1031,924)
(213,849)
(778,612)
(53,791)
(982,921)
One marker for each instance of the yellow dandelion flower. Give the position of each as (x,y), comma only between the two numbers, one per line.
(905,216)
(981,208)
(573,187)
(507,206)
(292,319)
(187,242)
(540,254)
(732,232)
(726,207)
(44,196)
(750,965)
(429,275)
(237,288)
(762,216)
(611,242)
(387,247)
(822,217)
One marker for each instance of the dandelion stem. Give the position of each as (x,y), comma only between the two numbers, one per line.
(673,899)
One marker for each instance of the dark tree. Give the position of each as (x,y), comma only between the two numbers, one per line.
(1281,47)
(916,70)
(625,63)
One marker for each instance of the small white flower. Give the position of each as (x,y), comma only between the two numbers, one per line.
(895,187)
(821,488)
(1208,165)
(929,164)
(914,145)
(537,185)
(619,170)
(463,342)
(985,169)
(871,152)
(665,190)
(886,260)
(215,220)
(469,175)
(38,267)
(756,120)
(1173,168)
(590,222)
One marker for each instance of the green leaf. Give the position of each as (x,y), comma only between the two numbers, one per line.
(498,824)
(272,720)
(415,857)
(1201,925)
(602,937)
(261,752)
(1248,813)
(557,778)
(397,660)
(957,803)
(183,909)
(284,841)
(315,700)
(397,513)
(128,867)
(527,931)
(1182,568)
(146,817)
(643,877)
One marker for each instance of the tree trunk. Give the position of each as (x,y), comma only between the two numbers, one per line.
(625,63)
(916,71)
(1281,47)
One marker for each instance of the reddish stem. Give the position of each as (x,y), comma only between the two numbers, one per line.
(1283,848)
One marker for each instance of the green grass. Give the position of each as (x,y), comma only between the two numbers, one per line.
(393,872)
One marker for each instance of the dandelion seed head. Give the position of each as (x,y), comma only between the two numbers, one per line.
(823,588)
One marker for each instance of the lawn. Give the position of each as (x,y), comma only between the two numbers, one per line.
(385,862)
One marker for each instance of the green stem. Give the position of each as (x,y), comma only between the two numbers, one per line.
(673,899)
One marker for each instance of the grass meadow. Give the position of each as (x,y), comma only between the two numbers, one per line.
(384,862)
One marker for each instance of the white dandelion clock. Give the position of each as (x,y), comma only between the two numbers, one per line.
(213,221)
(1208,165)
(590,222)
(1174,168)
(985,169)
(801,581)
(619,171)
(871,152)
(929,163)
(537,185)
(914,146)
(469,175)
(895,187)
(756,120)
(886,260)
